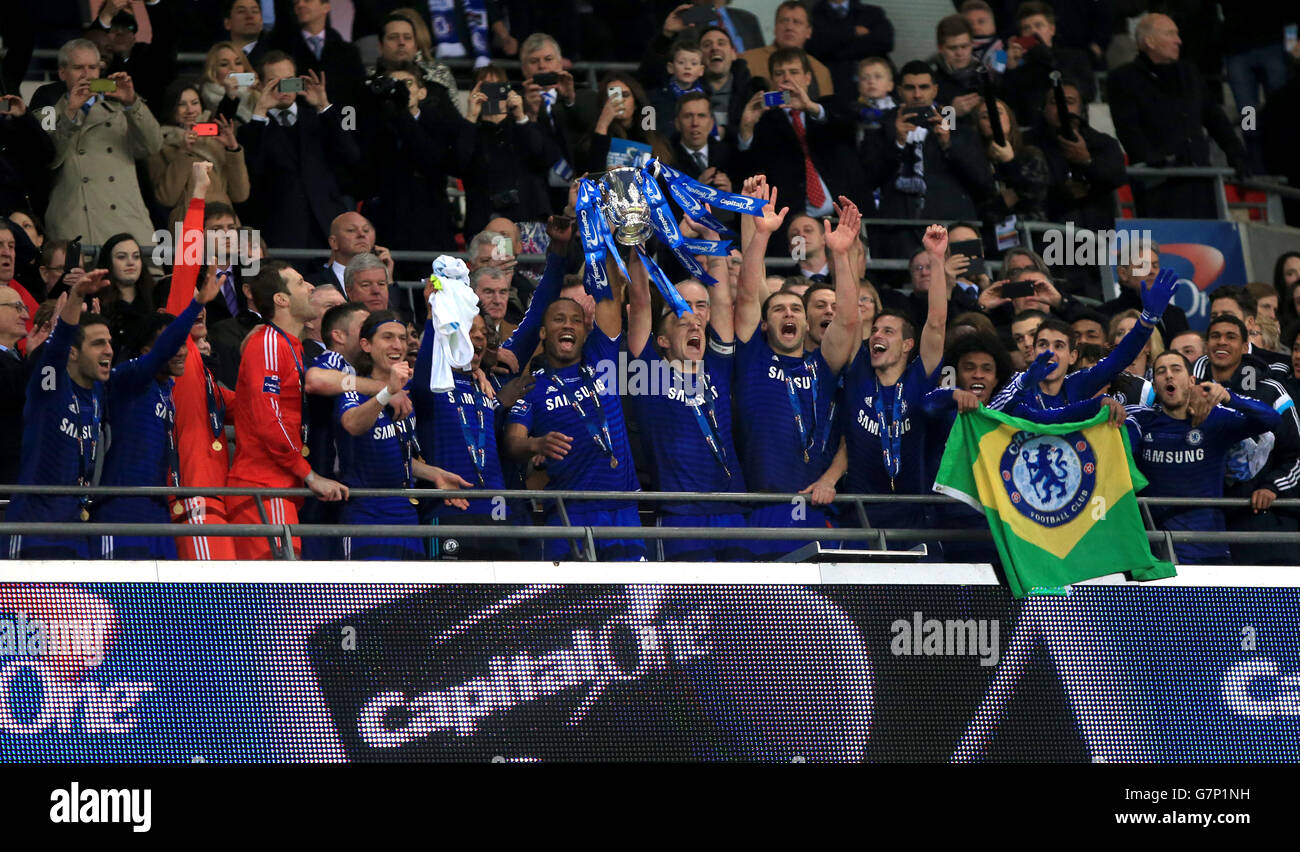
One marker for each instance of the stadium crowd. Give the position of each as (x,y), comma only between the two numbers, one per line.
(143,308)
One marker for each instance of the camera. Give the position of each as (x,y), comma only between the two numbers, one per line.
(389,90)
(776,99)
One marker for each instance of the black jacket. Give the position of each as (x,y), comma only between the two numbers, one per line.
(339,60)
(1097,181)
(1025,87)
(14,372)
(1162,115)
(25,153)
(505,174)
(836,44)
(225,338)
(956,180)
(294,172)
(775,152)
(411,209)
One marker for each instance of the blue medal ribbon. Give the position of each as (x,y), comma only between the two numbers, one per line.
(707,420)
(86,461)
(891,436)
(173,455)
(805,442)
(216,404)
(600,434)
(475,443)
(302,378)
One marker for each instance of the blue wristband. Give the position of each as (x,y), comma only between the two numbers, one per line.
(1149,318)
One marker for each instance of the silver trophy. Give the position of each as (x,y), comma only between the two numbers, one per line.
(625,207)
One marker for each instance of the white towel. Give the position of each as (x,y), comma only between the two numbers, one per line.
(452,309)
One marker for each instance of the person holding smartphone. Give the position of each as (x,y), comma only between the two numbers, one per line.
(190,134)
(98,137)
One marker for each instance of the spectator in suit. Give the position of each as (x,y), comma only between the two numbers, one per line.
(97,141)
(957,71)
(698,155)
(845,32)
(618,119)
(804,147)
(1143,266)
(492,285)
(415,149)
(153,64)
(508,159)
(1028,68)
(1161,113)
(242,19)
(316,47)
(351,235)
(25,154)
(221,94)
(15,369)
(923,170)
(295,148)
(221,231)
(171,169)
(366,280)
(562,112)
(793,30)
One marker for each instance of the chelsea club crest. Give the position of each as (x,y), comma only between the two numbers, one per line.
(1194,437)
(1049,478)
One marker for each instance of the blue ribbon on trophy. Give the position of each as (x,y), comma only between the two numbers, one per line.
(626,207)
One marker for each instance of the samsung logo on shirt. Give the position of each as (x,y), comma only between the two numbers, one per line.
(775,372)
(1173,456)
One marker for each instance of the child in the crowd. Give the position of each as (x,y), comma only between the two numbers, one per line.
(685,73)
(875,87)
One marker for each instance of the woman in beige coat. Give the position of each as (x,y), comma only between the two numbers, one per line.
(171,168)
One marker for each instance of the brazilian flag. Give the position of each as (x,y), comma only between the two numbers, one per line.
(1059,498)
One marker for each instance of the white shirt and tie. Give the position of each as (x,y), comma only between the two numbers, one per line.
(826,208)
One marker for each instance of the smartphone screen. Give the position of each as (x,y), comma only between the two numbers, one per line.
(102,85)
(207,128)
(292,84)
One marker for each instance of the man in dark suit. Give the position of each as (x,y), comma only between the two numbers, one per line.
(923,169)
(708,160)
(313,46)
(351,234)
(293,147)
(804,148)
(242,20)
(1162,113)
(219,221)
(562,111)
(845,31)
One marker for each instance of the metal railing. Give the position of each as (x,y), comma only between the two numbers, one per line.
(281,535)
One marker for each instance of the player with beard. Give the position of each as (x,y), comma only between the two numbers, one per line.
(882,388)
(573,418)
(377,447)
(141,416)
(819,308)
(457,430)
(1181,446)
(1266,466)
(685,412)
(784,395)
(1061,387)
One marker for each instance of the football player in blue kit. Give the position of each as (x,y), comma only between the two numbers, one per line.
(784,395)
(684,411)
(573,417)
(1061,387)
(883,391)
(377,448)
(1181,446)
(141,417)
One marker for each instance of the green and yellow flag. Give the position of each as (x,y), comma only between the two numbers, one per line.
(1059,498)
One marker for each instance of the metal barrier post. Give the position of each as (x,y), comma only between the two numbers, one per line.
(1220,198)
(564,519)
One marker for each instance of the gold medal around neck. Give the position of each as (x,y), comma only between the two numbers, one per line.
(85,514)
(178,509)
(613,462)
(305,452)
(415,501)
(216,446)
